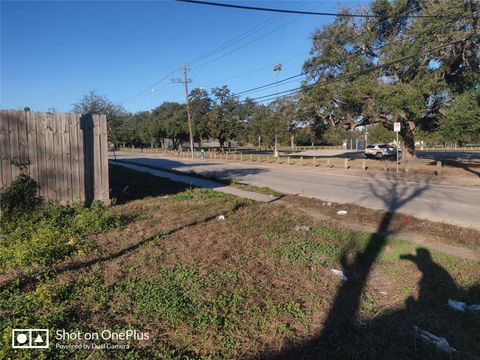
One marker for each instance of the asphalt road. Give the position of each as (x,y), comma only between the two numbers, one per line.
(450,204)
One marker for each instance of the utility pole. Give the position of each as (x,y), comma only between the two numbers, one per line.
(185,81)
(277,68)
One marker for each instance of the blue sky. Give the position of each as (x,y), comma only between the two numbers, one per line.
(52,53)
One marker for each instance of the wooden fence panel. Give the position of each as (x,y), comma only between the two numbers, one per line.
(105,193)
(5,149)
(67,154)
(81,158)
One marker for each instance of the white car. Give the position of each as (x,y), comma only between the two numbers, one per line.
(381,151)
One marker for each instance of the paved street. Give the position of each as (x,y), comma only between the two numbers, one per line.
(456,205)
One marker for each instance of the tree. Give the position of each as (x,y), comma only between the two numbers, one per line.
(96,104)
(288,110)
(224,116)
(383,69)
(200,106)
(171,121)
(377,133)
(462,121)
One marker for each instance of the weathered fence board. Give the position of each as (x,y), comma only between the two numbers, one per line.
(67,154)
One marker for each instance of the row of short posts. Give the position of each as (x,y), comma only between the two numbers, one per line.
(329,164)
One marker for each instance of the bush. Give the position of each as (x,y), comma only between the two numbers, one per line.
(31,234)
(20,197)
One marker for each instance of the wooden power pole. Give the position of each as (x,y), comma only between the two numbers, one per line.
(185,81)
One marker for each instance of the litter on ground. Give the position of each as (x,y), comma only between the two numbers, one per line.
(461,306)
(340,274)
(221,217)
(439,342)
(342,212)
(301,228)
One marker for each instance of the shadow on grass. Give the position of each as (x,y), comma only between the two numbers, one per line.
(211,178)
(389,336)
(29,281)
(127,185)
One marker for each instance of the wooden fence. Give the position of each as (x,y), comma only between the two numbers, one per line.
(67,154)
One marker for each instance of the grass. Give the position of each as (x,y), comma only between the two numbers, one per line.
(245,287)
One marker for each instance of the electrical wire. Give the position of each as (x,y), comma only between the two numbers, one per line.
(346,59)
(297,90)
(256,8)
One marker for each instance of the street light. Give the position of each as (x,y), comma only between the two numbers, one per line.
(276,68)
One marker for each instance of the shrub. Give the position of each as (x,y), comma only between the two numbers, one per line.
(32,234)
(20,197)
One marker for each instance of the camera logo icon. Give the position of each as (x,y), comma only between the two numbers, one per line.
(30,338)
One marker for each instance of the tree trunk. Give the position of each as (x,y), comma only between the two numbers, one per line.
(292,141)
(408,136)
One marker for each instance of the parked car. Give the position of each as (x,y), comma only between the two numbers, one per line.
(382,151)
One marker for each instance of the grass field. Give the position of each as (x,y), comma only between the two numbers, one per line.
(246,287)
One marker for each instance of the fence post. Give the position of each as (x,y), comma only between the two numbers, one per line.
(251,157)
(288,160)
(439,168)
(301,160)
(385,165)
(328,163)
(314,161)
(364,164)
(241,156)
(346,163)
(226,156)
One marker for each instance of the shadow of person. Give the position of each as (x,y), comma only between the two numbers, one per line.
(436,285)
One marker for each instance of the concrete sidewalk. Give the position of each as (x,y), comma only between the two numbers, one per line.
(198,182)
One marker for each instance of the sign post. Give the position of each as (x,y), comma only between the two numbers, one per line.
(396,128)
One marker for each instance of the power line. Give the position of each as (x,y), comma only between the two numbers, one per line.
(250,42)
(224,46)
(258,69)
(297,90)
(271,84)
(347,58)
(239,38)
(209,3)
(235,40)
(145,92)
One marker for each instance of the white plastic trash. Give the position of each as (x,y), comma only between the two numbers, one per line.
(342,212)
(340,274)
(221,217)
(301,228)
(461,306)
(456,305)
(439,342)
